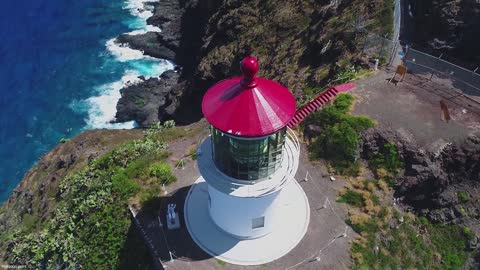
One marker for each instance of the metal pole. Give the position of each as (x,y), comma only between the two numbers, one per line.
(435,65)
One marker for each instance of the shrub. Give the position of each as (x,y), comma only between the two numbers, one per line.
(163,172)
(468,233)
(123,185)
(343,102)
(463,197)
(340,138)
(388,158)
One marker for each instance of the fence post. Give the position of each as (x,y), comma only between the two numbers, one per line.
(435,66)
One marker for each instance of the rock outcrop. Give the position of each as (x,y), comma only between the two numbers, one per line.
(449,27)
(443,185)
(150,101)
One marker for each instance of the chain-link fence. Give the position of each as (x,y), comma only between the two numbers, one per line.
(437,69)
(380,48)
(391,53)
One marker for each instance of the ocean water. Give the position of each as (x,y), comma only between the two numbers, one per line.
(60,74)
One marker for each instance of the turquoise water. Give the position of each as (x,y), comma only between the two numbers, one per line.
(60,74)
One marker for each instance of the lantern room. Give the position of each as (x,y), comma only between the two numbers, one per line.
(249,116)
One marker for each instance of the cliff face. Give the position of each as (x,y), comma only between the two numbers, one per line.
(302,44)
(442,185)
(33,201)
(446,26)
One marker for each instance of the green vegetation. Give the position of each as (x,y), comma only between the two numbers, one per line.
(140,102)
(413,244)
(386,163)
(89,227)
(220,262)
(463,197)
(352,198)
(385,18)
(339,141)
(163,172)
(390,239)
(468,233)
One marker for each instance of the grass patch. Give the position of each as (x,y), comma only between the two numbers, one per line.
(352,197)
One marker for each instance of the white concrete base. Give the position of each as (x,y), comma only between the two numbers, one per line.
(287,234)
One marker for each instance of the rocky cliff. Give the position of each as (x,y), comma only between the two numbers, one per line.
(442,185)
(302,44)
(446,26)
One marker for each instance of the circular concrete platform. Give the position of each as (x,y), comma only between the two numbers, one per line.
(228,248)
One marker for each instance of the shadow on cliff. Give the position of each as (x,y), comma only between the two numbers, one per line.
(193,26)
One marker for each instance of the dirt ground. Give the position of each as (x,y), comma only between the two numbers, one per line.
(412,108)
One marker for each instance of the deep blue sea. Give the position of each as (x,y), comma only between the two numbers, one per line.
(60,73)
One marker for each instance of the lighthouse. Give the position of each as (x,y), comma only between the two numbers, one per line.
(246,208)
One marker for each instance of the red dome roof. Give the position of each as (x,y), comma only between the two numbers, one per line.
(248,106)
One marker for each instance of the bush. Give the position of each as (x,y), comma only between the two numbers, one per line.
(468,233)
(340,138)
(353,198)
(123,185)
(163,172)
(463,197)
(343,102)
(387,163)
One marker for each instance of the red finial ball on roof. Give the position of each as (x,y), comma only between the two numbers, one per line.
(249,67)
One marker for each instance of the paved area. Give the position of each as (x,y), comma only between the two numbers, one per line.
(412,108)
(322,248)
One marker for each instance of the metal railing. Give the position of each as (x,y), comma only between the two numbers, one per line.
(437,69)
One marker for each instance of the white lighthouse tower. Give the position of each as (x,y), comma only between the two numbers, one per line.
(247,208)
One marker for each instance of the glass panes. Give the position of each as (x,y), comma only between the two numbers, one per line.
(247,159)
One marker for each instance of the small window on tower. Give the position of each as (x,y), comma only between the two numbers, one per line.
(258,223)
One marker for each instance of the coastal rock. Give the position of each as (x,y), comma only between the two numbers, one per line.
(150,101)
(151,43)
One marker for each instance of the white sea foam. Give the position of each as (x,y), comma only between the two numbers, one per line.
(101,108)
(138,8)
(122,52)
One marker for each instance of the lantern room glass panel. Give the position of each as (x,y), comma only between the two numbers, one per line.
(247,158)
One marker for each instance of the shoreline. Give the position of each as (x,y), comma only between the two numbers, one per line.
(101,108)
